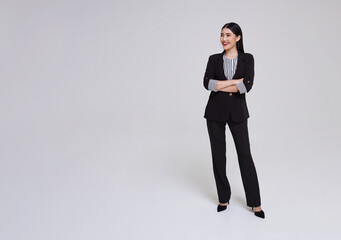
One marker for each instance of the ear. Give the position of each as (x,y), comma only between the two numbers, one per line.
(238,38)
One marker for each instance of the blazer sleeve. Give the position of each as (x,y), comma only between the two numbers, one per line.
(209,73)
(241,87)
(249,73)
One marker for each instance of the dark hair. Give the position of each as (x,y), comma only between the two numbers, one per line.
(234,27)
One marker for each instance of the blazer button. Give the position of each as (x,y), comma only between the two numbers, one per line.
(248,81)
(230,94)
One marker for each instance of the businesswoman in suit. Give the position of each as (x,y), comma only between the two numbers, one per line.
(229,76)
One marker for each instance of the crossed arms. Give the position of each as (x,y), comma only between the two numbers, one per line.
(240,86)
(233,85)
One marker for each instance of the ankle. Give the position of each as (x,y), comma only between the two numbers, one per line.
(257,209)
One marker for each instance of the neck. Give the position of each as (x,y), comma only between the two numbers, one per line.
(231,53)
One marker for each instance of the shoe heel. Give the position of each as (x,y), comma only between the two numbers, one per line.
(222,207)
(260,214)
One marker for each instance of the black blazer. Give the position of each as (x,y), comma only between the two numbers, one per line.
(223,106)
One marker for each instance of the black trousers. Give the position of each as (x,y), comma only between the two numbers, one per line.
(247,168)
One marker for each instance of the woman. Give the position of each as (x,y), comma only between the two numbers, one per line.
(229,76)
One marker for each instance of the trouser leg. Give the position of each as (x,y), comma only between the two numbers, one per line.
(240,136)
(216,132)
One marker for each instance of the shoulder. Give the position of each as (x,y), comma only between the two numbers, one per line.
(248,56)
(214,57)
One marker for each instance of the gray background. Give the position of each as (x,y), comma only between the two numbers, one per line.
(102,128)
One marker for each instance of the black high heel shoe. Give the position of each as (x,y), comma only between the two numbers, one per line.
(222,207)
(259,213)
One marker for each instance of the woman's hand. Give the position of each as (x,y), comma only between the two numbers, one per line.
(229,89)
(233,87)
(238,80)
(228,85)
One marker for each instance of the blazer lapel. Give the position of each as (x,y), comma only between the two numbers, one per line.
(240,66)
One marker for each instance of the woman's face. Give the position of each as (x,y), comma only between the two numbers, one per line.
(228,39)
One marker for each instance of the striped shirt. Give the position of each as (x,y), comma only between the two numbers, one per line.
(230,66)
